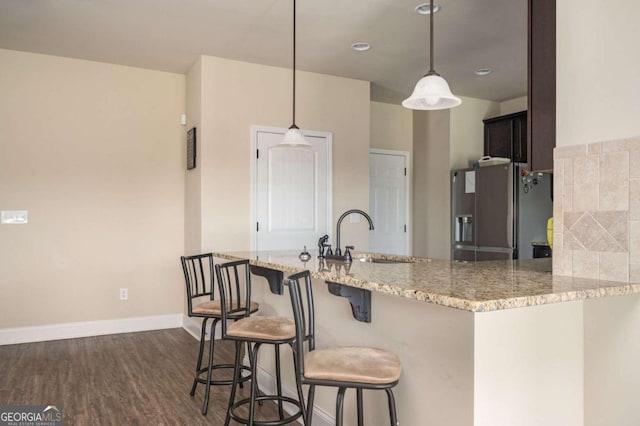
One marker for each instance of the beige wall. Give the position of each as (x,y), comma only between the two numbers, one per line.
(467,131)
(430,197)
(94,152)
(236,95)
(611,351)
(598,88)
(391,127)
(513,105)
(435,345)
(442,141)
(597,105)
(528,367)
(193,192)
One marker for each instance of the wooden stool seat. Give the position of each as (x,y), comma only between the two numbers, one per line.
(353,364)
(254,331)
(199,280)
(263,329)
(343,367)
(212,307)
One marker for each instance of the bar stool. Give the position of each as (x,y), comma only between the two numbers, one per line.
(234,284)
(199,278)
(342,367)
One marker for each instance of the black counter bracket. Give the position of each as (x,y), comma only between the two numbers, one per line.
(359,298)
(273,276)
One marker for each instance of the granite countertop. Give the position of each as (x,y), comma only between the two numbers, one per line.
(477,287)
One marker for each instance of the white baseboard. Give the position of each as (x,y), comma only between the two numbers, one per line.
(267,384)
(72,330)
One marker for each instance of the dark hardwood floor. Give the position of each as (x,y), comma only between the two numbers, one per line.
(123,379)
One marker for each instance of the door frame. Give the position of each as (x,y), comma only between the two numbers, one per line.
(409,201)
(253,205)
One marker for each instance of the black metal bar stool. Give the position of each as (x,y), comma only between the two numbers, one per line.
(342,367)
(199,278)
(256,331)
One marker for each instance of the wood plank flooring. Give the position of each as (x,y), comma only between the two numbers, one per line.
(124,379)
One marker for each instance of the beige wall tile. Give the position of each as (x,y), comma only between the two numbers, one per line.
(586,183)
(558,178)
(606,218)
(558,251)
(567,198)
(634,199)
(594,148)
(619,230)
(634,241)
(567,262)
(631,144)
(634,164)
(587,230)
(585,264)
(614,181)
(608,244)
(570,242)
(634,273)
(614,267)
(570,218)
(568,171)
(558,215)
(570,151)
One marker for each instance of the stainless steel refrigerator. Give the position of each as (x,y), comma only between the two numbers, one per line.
(495,215)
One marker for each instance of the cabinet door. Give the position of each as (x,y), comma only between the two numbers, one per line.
(520,139)
(498,137)
(542,84)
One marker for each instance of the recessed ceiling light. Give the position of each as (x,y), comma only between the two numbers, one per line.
(483,71)
(361,46)
(425,9)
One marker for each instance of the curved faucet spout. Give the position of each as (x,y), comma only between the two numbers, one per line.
(338,251)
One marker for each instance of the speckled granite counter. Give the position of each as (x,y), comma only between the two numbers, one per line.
(476,287)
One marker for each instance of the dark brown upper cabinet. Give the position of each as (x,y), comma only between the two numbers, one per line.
(541,84)
(506,136)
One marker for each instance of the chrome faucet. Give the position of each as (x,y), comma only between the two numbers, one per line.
(338,251)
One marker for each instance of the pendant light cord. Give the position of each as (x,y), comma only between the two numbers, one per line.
(294,65)
(431,13)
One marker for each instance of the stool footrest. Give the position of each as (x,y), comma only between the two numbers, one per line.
(205,370)
(262,398)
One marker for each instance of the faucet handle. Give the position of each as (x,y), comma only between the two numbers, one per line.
(347,253)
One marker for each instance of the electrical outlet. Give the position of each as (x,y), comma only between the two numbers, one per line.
(124,294)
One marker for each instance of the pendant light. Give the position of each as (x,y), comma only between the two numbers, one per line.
(294,137)
(432,91)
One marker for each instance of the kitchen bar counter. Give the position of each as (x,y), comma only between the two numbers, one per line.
(481,363)
(476,287)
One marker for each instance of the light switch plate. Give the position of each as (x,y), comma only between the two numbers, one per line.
(354,218)
(14,217)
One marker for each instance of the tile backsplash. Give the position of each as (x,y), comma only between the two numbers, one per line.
(596,210)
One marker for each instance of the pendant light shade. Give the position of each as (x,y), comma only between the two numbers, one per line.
(432,91)
(294,136)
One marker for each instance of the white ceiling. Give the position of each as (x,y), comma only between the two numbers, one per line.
(169,35)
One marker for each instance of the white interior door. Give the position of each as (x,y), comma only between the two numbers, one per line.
(389,201)
(292,190)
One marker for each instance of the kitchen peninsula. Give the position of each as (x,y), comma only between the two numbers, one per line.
(487,343)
